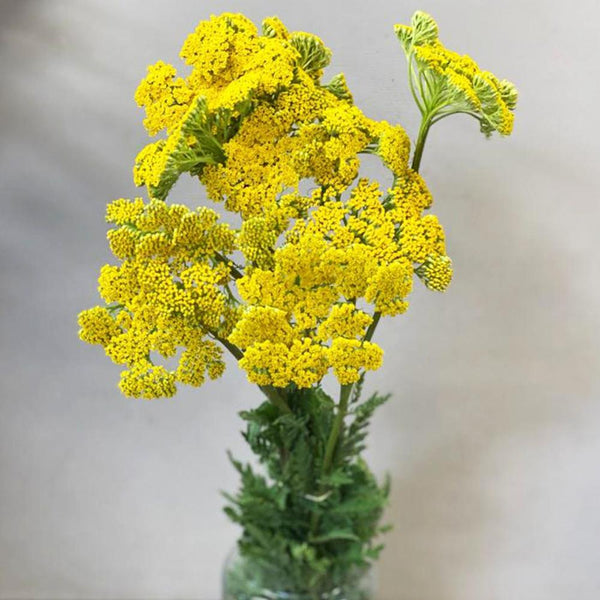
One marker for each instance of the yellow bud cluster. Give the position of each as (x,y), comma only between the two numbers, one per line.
(344,320)
(146,380)
(393,147)
(124,211)
(165,97)
(436,272)
(257,241)
(303,363)
(149,164)
(219,48)
(410,197)
(341,252)
(97,326)
(301,135)
(231,62)
(389,286)
(200,359)
(420,237)
(262,324)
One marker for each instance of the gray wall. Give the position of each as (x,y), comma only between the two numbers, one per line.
(492,438)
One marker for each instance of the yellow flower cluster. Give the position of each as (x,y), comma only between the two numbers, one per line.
(394,147)
(169,292)
(318,269)
(348,357)
(342,253)
(448,82)
(305,133)
(257,239)
(230,61)
(165,96)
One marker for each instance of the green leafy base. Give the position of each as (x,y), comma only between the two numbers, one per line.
(308,527)
(242,580)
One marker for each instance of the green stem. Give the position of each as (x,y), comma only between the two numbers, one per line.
(276,398)
(372,327)
(272,393)
(234,271)
(231,347)
(332,442)
(421,138)
(336,429)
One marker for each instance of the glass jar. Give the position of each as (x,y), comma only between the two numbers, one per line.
(243,581)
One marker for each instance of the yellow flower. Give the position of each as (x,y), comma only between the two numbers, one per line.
(389,286)
(198,360)
(344,320)
(262,324)
(257,241)
(165,97)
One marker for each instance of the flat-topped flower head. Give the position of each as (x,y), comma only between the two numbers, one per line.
(169,293)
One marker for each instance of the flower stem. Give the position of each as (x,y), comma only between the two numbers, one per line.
(421,138)
(276,398)
(372,326)
(272,393)
(336,428)
(332,442)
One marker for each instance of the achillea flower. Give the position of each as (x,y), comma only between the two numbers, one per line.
(253,123)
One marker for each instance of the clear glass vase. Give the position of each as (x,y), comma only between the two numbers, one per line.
(243,581)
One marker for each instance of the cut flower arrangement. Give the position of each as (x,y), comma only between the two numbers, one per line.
(296,290)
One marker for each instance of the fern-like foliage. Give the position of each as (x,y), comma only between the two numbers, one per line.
(304,530)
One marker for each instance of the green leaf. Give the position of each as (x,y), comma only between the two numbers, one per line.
(339,88)
(338,534)
(314,55)
(425,29)
(337,478)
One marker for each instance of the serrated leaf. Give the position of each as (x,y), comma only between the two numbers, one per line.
(337,478)
(338,534)
(314,55)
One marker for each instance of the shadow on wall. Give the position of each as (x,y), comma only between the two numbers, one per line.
(12,12)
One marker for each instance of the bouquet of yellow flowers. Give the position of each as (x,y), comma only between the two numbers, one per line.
(296,289)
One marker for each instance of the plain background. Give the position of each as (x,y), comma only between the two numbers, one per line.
(493,436)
